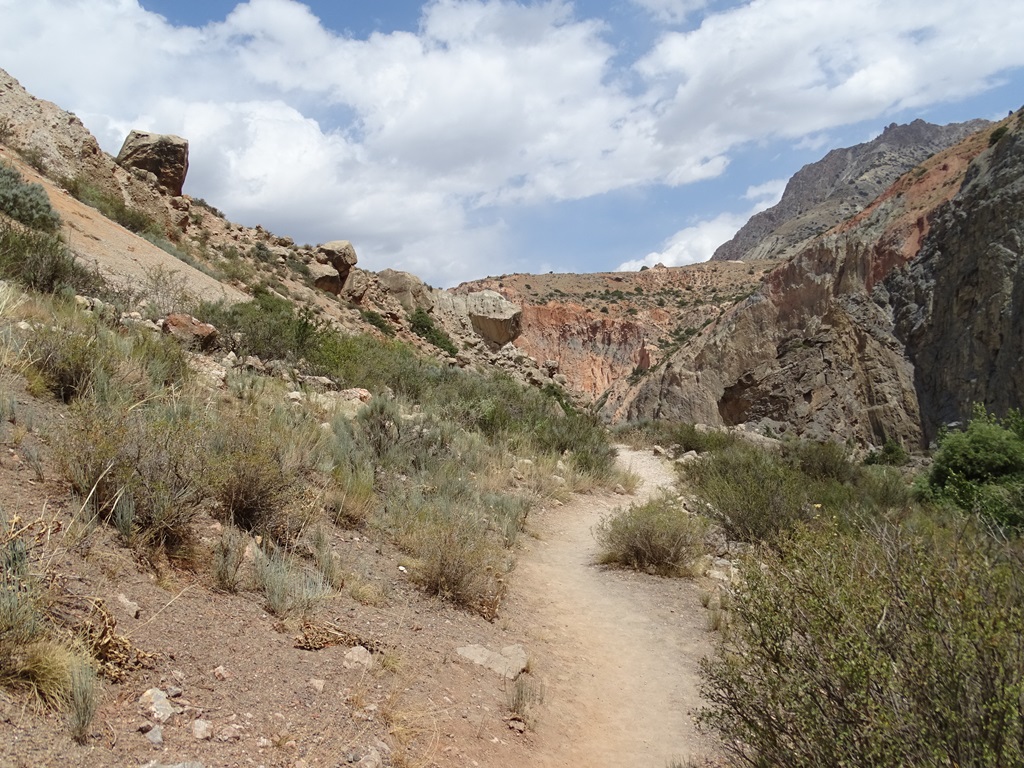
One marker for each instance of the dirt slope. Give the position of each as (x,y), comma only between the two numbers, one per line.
(618,650)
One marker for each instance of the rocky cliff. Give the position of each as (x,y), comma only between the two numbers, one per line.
(959,306)
(884,328)
(840,185)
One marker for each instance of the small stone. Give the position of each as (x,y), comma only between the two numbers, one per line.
(358,657)
(294,397)
(132,608)
(517,724)
(202,730)
(221,673)
(230,733)
(174,692)
(155,736)
(158,705)
(317,685)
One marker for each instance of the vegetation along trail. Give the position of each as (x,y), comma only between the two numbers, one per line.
(618,651)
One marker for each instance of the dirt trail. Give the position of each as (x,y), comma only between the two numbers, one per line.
(618,651)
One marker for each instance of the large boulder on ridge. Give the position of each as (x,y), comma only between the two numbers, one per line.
(165,156)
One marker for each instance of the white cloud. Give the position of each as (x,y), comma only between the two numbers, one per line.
(699,241)
(691,245)
(670,11)
(413,144)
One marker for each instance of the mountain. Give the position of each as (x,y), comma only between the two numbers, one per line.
(840,185)
(888,326)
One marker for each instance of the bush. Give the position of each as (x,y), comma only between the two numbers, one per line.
(752,494)
(248,476)
(982,468)
(892,454)
(145,463)
(423,326)
(879,648)
(820,461)
(26,202)
(657,536)
(41,261)
(457,559)
(111,205)
(71,358)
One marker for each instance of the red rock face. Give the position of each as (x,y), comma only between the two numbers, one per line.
(592,351)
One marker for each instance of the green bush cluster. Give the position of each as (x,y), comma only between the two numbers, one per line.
(981,468)
(112,206)
(756,495)
(26,202)
(888,645)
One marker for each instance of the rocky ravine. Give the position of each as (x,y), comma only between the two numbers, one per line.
(885,328)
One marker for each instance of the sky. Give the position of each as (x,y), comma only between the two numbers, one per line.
(458,139)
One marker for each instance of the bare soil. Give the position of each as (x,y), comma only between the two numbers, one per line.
(618,650)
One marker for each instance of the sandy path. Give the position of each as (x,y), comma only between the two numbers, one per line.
(618,651)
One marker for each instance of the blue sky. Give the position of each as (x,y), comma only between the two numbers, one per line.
(463,138)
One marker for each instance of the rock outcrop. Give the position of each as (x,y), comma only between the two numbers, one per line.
(163,155)
(484,313)
(341,255)
(825,193)
(411,292)
(959,305)
(883,329)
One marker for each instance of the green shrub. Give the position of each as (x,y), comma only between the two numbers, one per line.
(982,467)
(71,357)
(377,320)
(820,461)
(657,536)
(751,493)
(457,559)
(248,476)
(111,205)
(26,202)
(892,454)
(270,327)
(997,134)
(146,462)
(423,326)
(41,261)
(871,649)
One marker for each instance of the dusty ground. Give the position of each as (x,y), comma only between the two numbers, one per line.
(617,650)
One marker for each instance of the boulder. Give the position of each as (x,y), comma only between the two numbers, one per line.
(339,254)
(190,331)
(494,318)
(165,156)
(411,292)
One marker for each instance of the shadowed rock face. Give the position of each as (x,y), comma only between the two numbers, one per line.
(166,157)
(341,255)
(959,305)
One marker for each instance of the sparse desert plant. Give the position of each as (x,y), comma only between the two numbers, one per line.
(41,261)
(288,589)
(423,325)
(657,536)
(523,697)
(826,460)
(326,560)
(228,557)
(83,699)
(26,202)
